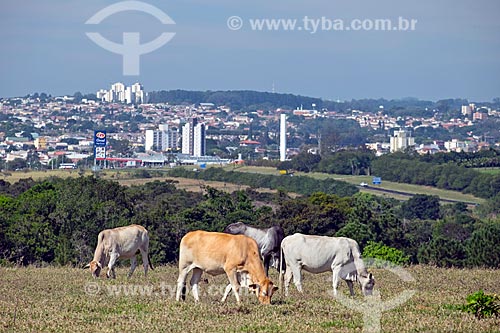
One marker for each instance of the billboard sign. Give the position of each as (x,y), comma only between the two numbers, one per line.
(99,138)
(100,153)
(100,145)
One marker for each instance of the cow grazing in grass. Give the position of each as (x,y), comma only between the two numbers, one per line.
(268,241)
(218,253)
(318,254)
(122,242)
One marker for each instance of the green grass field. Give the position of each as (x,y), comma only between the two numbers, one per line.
(66,299)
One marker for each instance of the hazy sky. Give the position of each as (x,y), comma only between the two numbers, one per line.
(454,50)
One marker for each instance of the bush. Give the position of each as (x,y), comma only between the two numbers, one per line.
(376,253)
(443,252)
(482,305)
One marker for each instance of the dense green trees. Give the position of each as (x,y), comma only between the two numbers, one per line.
(57,220)
(421,206)
(483,247)
(347,162)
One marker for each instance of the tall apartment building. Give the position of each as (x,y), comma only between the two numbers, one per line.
(401,140)
(468,110)
(193,138)
(163,139)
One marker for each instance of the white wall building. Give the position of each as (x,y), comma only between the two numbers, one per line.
(194,138)
(401,140)
(163,139)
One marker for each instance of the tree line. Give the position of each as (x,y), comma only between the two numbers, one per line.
(297,184)
(57,220)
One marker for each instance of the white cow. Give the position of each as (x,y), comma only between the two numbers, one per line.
(122,242)
(318,254)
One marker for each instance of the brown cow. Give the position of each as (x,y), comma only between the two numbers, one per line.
(218,253)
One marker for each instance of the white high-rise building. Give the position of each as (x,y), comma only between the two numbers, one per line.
(138,93)
(163,139)
(401,140)
(128,95)
(282,137)
(118,92)
(193,138)
(199,140)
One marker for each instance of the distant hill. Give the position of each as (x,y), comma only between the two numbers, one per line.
(248,100)
(236,99)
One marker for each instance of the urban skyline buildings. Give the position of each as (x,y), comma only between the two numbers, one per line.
(121,93)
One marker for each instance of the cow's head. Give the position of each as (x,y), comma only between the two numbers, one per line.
(95,268)
(237,228)
(264,290)
(367,282)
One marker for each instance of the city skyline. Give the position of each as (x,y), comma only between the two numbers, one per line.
(453,51)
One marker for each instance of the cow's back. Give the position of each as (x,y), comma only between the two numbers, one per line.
(316,253)
(126,240)
(211,251)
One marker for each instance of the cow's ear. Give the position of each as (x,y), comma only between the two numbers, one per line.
(99,264)
(370,276)
(275,288)
(86,266)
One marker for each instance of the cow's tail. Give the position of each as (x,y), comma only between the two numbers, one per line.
(280,282)
(150,263)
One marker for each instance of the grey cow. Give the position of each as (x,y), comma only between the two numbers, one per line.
(268,241)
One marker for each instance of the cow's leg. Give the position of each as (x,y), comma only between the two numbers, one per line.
(226,292)
(350,285)
(297,276)
(232,275)
(288,278)
(111,265)
(296,271)
(181,283)
(335,278)
(195,279)
(145,260)
(133,265)
(267,260)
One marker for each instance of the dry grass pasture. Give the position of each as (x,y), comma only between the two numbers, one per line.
(64,299)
